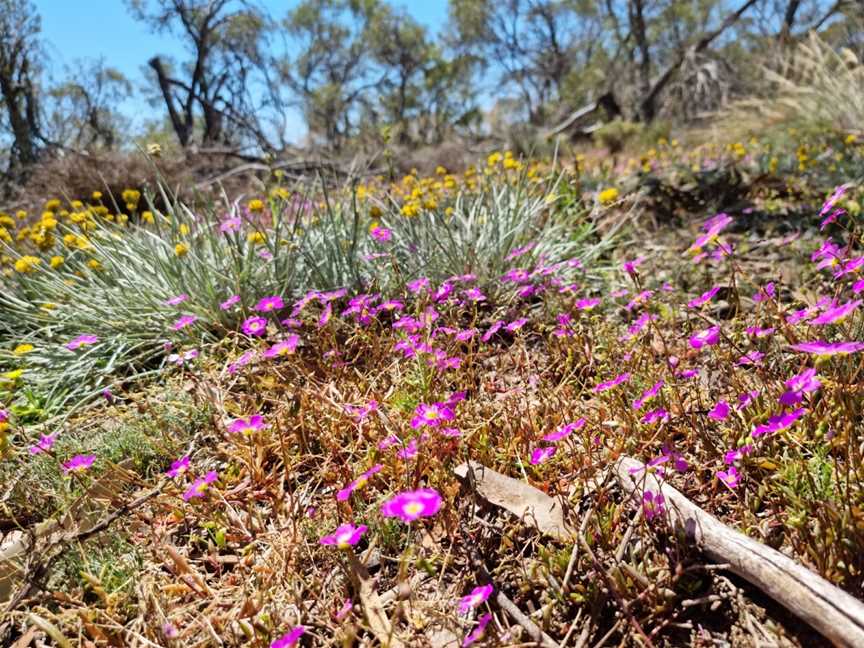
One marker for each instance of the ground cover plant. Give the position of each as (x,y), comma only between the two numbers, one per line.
(247,418)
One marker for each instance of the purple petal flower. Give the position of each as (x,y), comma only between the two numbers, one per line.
(178,467)
(179,299)
(345,493)
(730,477)
(478,631)
(648,394)
(609,384)
(268,304)
(44,444)
(251,425)
(708,337)
(564,431)
(720,411)
(704,298)
(198,488)
(821,348)
(539,455)
(184,321)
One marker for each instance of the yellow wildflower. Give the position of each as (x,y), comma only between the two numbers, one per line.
(23,349)
(27,263)
(256,205)
(608,196)
(56,261)
(181,249)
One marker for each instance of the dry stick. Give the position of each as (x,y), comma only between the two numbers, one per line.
(531,628)
(828,609)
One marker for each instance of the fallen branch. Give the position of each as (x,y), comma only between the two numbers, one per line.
(519,617)
(828,609)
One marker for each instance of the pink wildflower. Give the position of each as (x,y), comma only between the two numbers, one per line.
(199,487)
(564,431)
(653,504)
(179,299)
(346,535)
(79,463)
(411,505)
(380,234)
(820,348)
(778,422)
(478,631)
(44,444)
(609,384)
(542,454)
(836,313)
(704,298)
(803,383)
(253,424)
(730,477)
(255,326)
(289,639)
(431,415)
(81,340)
(178,467)
(345,493)
(184,321)
(648,394)
(720,411)
(708,337)
(284,347)
(228,303)
(477,597)
(272,303)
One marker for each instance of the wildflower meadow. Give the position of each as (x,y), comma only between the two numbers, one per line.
(596,389)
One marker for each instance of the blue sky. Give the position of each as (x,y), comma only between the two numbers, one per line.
(89,29)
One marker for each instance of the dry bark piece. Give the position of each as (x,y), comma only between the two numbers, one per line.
(373,608)
(828,609)
(526,502)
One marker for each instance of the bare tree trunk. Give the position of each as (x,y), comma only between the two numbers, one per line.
(182,125)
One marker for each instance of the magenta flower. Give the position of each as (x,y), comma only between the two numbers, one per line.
(765,293)
(198,488)
(267,304)
(409,451)
(79,463)
(178,467)
(417,285)
(289,639)
(175,301)
(609,384)
(746,398)
(284,347)
(704,298)
(478,631)
(515,325)
(564,431)
(360,412)
(803,383)
(180,358)
(44,444)
(184,321)
(450,432)
(228,303)
(630,266)
(325,315)
(345,493)
(346,535)
(653,416)
(255,326)
(492,330)
(648,394)
(542,454)
(477,597)
(4,416)
(588,304)
(818,347)
(751,358)
(230,225)
(708,337)
(737,454)
(411,505)
(858,287)
(253,424)
(431,415)
(344,610)
(836,313)
(720,411)
(242,361)
(778,422)
(755,331)
(380,234)
(730,477)
(474,295)
(81,340)
(653,504)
